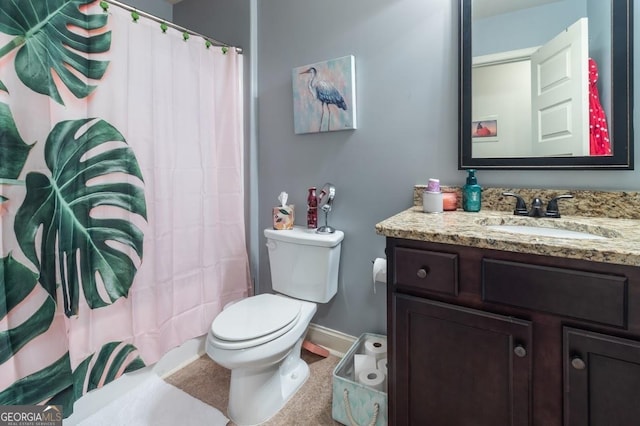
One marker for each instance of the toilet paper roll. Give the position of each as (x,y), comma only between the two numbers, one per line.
(375,347)
(379,272)
(372,378)
(382,365)
(363,362)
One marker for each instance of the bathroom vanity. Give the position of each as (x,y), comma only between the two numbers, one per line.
(488,327)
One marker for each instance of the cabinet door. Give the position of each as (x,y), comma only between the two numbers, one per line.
(454,366)
(601,379)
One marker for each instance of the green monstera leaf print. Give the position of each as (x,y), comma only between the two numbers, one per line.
(91,169)
(47,38)
(106,365)
(16,283)
(13,150)
(57,384)
(41,385)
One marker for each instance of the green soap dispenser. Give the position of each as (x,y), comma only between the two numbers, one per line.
(471,193)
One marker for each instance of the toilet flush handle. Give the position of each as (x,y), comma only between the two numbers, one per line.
(271,245)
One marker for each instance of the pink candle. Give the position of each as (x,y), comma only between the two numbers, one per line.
(449,201)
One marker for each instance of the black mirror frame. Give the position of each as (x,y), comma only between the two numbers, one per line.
(622,104)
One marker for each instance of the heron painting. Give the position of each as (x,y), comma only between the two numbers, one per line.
(324,96)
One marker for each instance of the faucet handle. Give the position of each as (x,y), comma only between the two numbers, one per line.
(552,205)
(521,206)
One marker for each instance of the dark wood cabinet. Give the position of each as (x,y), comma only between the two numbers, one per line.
(477,367)
(602,379)
(488,337)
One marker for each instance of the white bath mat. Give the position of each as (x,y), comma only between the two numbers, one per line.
(156,403)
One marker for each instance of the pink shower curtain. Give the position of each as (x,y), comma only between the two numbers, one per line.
(121,195)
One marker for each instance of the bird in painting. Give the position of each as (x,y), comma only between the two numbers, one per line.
(326,93)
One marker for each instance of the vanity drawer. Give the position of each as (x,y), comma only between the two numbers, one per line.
(426,270)
(594,297)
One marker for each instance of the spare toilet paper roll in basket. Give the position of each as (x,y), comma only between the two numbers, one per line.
(375,347)
(363,362)
(372,378)
(382,365)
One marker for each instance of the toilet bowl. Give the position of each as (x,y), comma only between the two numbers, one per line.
(265,364)
(259,338)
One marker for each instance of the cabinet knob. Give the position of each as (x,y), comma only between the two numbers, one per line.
(422,273)
(578,363)
(520,351)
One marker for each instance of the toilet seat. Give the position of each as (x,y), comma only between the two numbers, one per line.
(254,321)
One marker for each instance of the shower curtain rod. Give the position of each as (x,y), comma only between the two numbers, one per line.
(171,24)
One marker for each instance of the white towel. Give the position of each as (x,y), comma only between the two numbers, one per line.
(155,402)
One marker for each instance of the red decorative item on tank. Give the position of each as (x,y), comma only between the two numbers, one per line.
(312,209)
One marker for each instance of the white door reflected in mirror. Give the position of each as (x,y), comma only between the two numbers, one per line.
(537,99)
(560,94)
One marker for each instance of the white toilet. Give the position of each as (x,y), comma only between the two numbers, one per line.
(259,338)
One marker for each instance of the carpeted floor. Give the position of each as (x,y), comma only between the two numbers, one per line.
(209,382)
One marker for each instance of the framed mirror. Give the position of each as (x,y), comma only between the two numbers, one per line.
(546,84)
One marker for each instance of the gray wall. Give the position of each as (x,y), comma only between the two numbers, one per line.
(159,8)
(406,83)
(406,66)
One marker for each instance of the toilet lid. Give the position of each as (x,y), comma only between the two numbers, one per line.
(255,317)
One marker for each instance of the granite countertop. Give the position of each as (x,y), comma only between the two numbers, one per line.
(621,244)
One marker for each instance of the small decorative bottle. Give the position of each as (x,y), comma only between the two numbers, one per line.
(312,209)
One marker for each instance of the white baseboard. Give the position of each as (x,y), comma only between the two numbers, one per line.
(336,342)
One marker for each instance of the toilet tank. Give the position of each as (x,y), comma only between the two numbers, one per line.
(304,264)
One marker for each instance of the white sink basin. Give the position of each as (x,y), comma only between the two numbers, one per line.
(539,231)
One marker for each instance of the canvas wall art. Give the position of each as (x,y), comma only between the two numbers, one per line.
(324,96)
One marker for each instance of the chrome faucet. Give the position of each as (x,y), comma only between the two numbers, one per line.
(537,210)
